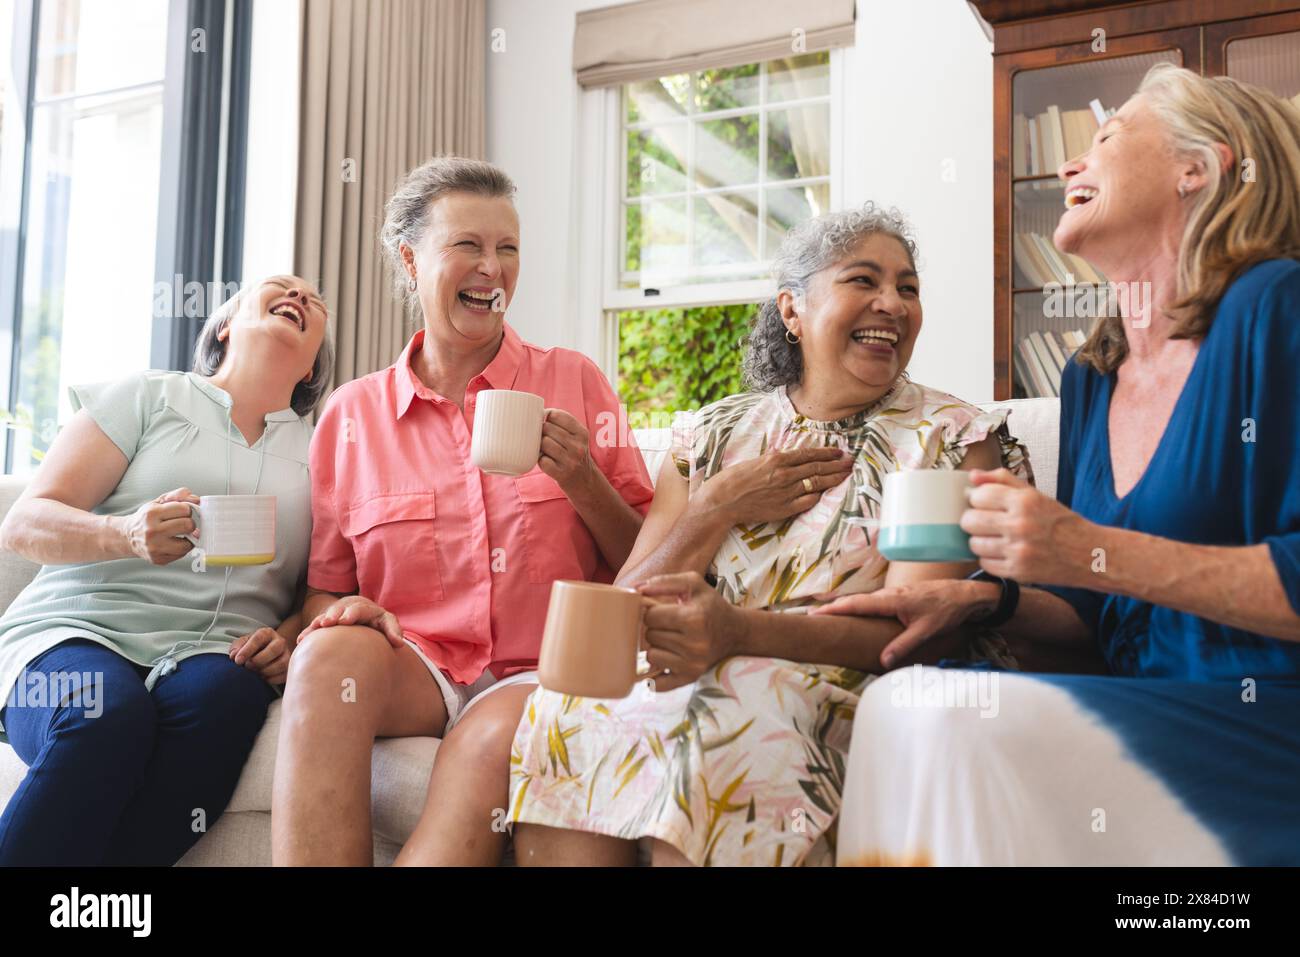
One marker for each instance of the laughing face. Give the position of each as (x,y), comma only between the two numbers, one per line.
(465,266)
(283,313)
(1122,195)
(860,320)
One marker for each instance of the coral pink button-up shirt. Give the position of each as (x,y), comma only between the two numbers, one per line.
(463,558)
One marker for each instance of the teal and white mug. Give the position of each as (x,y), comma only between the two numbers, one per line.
(920,516)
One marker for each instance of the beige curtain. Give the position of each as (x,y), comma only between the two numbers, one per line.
(653,38)
(386,84)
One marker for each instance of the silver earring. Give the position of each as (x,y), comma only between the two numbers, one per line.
(1182,190)
(791,338)
(410,284)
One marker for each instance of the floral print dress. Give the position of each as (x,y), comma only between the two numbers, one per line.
(746,765)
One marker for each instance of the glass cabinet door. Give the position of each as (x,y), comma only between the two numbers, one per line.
(1056,297)
(1272,62)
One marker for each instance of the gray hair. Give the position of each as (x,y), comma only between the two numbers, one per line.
(771,360)
(406,216)
(210,351)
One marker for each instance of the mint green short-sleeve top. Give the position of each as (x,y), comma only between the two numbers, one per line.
(175,430)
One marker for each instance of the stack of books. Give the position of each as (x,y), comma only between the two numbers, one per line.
(1040,144)
(1041,262)
(1040,358)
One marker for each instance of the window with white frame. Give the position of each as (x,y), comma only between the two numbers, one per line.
(121,173)
(713,167)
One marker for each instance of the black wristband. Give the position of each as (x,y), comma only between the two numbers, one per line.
(1007,602)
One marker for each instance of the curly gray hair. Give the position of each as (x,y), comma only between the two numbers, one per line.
(771,360)
(406,216)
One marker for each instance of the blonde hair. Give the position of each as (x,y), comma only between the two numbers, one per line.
(1237,219)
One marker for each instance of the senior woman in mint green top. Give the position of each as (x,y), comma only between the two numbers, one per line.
(134,684)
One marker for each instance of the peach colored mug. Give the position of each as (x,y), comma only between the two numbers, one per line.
(590,643)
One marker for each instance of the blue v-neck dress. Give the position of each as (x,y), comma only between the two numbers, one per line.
(1190,752)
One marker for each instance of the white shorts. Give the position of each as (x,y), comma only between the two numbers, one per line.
(460,698)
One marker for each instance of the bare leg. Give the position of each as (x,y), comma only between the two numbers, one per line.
(539,845)
(346,686)
(465,812)
(663,854)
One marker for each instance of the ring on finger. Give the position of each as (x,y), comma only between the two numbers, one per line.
(807,484)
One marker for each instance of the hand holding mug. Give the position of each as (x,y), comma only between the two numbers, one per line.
(775,485)
(1018,532)
(153,531)
(688,636)
(355,610)
(565,450)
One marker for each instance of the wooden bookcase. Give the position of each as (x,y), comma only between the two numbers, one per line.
(1049,62)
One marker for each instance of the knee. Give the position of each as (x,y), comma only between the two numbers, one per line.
(485,743)
(343,664)
(940,715)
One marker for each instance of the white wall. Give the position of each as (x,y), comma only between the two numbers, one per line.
(532,116)
(920,94)
(921,88)
(272,141)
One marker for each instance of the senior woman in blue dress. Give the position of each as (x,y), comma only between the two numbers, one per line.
(166,667)
(1174,546)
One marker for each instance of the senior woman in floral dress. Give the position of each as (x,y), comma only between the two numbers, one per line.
(1174,546)
(737,755)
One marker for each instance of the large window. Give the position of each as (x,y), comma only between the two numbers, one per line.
(91,207)
(719,164)
(714,167)
(107,104)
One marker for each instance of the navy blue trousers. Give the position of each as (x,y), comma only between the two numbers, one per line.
(119,775)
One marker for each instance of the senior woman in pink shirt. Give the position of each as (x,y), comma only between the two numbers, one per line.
(429,579)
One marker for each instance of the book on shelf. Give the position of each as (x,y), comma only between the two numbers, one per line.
(1050,369)
(1055,133)
(1040,144)
(1041,262)
(1037,382)
(1041,356)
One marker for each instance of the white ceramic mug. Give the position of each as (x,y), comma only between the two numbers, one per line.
(235,529)
(507,437)
(920,516)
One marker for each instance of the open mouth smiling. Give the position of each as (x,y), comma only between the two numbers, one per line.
(1078,195)
(478,300)
(876,336)
(291,311)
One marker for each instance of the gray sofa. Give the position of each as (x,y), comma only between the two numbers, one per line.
(401,766)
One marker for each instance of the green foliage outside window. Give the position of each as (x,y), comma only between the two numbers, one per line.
(678,359)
